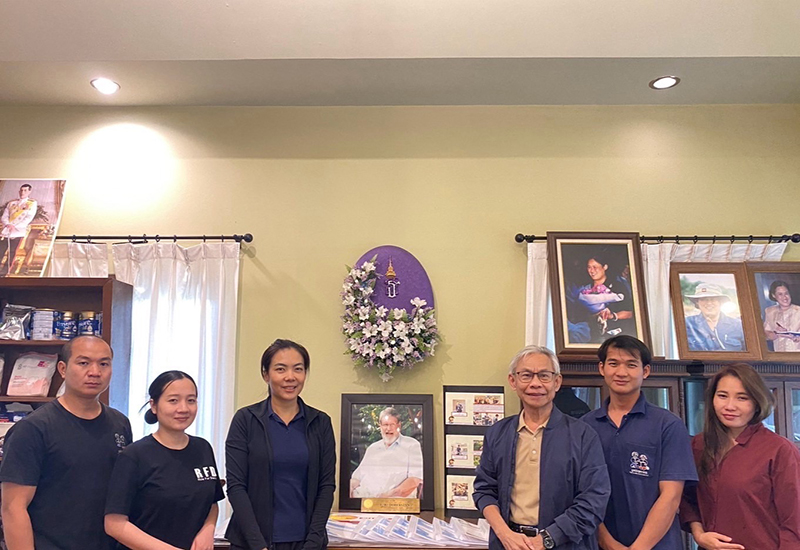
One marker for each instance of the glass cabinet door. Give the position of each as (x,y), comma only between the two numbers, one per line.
(792,416)
(694,390)
(579,395)
(775,421)
(663,392)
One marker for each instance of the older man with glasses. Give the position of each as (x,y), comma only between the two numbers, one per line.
(542,482)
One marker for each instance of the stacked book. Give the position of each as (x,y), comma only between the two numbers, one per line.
(374,530)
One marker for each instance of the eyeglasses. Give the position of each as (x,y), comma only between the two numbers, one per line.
(526,377)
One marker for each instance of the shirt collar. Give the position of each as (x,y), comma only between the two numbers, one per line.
(522,426)
(640,407)
(272,414)
(748,433)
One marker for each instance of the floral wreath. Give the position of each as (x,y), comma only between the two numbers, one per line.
(382,338)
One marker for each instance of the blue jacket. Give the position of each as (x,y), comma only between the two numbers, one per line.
(573,479)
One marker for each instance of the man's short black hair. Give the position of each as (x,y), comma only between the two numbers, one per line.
(66,349)
(24,185)
(626,343)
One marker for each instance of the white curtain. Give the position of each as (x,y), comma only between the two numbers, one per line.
(184,318)
(69,259)
(657,259)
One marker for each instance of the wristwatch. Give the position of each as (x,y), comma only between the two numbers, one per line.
(547,540)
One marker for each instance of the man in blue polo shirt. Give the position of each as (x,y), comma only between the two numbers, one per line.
(647,450)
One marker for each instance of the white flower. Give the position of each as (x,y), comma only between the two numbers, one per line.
(386,328)
(398,313)
(347,285)
(417,325)
(382,311)
(357,273)
(407,347)
(400,329)
(366,291)
(363,313)
(370,330)
(348,300)
(368,267)
(418,302)
(386,376)
(384,351)
(354,343)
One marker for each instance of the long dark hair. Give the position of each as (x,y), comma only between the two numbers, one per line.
(715,434)
(159,385)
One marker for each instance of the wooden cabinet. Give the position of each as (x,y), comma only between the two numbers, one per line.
(103,295)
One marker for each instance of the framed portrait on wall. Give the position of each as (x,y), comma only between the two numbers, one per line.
(713,312)
(30,211)
(386,448)
(775,293)
(597,286)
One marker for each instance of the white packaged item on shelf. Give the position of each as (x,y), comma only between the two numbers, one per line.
(32,375)
(2,364)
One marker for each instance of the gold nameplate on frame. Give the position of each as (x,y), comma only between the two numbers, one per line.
(391,505)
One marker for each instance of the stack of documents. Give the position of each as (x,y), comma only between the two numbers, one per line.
(385,530)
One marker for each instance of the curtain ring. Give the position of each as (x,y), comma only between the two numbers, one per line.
(750,239)
(769,241)
(733,239)
(694,240)
(130,239)
(204,238)
(175,238)
(714,239)
(222,237)
(74,239)
(158,238)
(88,239)
(677,240)
(660,239)
(144,237)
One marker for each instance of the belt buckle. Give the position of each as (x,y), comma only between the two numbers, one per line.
(529,531)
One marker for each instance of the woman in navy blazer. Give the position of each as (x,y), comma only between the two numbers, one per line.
(281,462)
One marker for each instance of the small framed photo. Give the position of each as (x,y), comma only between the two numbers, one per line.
(473,409)
(459,492)
(597,286)
(387,448)
(463,451)
(713,311)
(775,292)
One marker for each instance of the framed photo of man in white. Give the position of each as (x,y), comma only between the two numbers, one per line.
(387,448)
(30,210)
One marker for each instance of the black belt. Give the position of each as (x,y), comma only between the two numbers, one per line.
(527,530)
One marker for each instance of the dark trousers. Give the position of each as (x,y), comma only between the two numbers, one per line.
(11,246)
(277,546)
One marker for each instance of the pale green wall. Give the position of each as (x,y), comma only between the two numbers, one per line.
(317,187)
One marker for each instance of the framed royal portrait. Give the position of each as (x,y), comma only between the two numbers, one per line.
(775,294)
(713,312)
(386,448)
(30,211)
(597,286)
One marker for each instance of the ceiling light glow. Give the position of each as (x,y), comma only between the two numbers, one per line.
(105,86)
(664,82)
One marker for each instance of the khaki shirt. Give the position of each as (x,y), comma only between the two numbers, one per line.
(525,492)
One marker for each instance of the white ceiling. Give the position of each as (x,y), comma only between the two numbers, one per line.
(398,52)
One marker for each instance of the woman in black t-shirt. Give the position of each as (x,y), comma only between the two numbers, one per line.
(280,459)
(165,487)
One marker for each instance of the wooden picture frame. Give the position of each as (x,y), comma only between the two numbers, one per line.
(597,285)
(713,312)
(769,282)
(362,430)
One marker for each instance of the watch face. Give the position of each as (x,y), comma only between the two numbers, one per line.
(547,540)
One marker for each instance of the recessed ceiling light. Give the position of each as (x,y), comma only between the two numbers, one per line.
(664,82)
(105,86)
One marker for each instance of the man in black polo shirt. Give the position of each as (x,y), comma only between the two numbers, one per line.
(57,461)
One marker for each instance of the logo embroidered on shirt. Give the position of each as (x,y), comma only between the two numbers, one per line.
(639,465)
(120,441)
(206,473)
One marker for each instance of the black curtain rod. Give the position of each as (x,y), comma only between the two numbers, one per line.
(795,238)
(247,238)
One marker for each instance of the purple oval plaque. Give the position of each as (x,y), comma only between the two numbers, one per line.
(401,278)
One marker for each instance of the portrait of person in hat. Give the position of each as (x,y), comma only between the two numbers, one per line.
(712,329)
